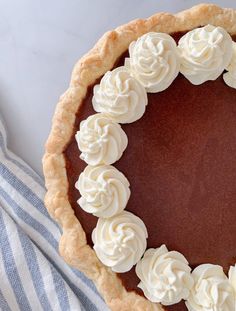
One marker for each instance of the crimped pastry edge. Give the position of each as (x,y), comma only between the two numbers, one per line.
(73,246)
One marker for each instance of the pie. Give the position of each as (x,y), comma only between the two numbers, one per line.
(140,164)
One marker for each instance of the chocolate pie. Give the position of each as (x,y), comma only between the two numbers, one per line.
(140,164)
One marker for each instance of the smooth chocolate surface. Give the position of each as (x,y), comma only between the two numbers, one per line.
(181,164)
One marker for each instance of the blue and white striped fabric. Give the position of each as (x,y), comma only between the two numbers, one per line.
(32,274)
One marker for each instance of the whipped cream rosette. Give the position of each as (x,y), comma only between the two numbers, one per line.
(120,96)
(120,241)
(211,291)
(154,61)
(165,276)
(204,53)
(104,190)
(100,140)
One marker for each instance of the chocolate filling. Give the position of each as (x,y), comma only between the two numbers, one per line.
(181,164)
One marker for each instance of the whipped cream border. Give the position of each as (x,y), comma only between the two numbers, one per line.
(191,58)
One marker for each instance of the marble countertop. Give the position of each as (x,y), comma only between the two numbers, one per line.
(39,43)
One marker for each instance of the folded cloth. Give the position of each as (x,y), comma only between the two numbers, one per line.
(33,276)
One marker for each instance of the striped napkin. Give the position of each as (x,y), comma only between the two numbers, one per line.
(33,276)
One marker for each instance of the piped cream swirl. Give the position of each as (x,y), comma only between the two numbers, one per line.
(120,96)
(104,190)
(204,53)
(154,61)
(120,241)
(165,276)
(212,290)
(230,76)
(100,140)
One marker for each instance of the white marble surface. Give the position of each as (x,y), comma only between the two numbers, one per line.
(40,40)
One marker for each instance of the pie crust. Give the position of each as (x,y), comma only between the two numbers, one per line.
(73,246)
